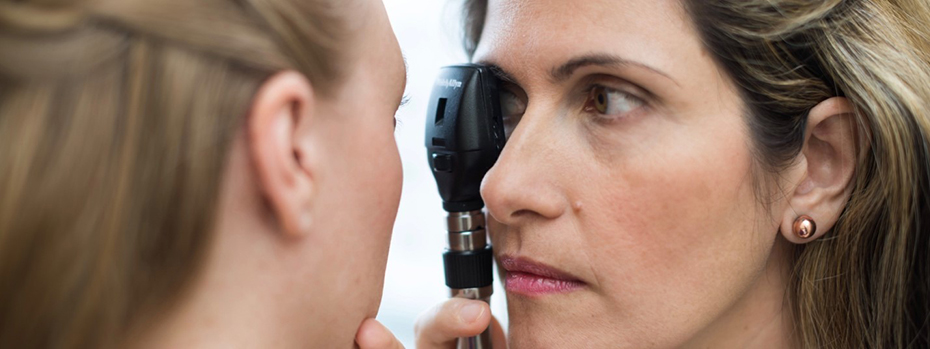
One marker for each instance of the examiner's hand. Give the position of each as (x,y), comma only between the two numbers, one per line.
(373,335)
(438,327)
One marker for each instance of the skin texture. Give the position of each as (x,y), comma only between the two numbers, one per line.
(307,209)
(654,208)
(651,205)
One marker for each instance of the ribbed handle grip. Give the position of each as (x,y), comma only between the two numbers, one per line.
(468,269)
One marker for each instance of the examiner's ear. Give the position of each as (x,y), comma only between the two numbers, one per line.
(826,167)
(280,108)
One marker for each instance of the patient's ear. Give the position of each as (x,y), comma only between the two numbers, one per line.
(825,169)
(281,107)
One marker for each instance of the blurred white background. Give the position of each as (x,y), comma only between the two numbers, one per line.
(429,36)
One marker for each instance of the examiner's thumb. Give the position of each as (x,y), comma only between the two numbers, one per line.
(373,335)
(440,326)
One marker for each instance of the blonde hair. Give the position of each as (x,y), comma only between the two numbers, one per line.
(116,118)
(867,282)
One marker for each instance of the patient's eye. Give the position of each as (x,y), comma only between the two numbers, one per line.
(611,103)
(512,108)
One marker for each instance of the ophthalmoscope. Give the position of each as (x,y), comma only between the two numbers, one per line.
(464,137)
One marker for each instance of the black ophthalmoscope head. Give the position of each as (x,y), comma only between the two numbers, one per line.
(464,133)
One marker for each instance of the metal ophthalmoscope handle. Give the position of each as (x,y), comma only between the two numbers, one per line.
(468,266)
(464,138)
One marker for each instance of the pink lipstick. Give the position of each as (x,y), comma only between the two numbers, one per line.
(536,279)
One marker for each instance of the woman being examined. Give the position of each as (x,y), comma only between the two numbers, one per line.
(193,174)
(707,174)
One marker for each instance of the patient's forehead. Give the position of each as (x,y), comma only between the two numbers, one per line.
(373,55)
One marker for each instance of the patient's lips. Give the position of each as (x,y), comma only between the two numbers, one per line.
(536,279)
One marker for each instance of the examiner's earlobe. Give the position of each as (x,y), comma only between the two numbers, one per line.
(280,108)
(822,179)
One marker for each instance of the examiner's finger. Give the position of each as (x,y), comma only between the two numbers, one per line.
(439,326)
(373,335)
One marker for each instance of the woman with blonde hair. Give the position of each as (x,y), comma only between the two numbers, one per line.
(707,174)
(195,173)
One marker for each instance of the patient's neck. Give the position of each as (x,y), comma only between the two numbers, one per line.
(212,323)
(232,303)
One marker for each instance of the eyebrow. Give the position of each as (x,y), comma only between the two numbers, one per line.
(565,71)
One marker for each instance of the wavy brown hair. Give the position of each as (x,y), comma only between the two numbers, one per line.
(116,117)
(867,282)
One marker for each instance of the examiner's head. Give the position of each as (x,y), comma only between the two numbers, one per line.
(667,161)
(181,173)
